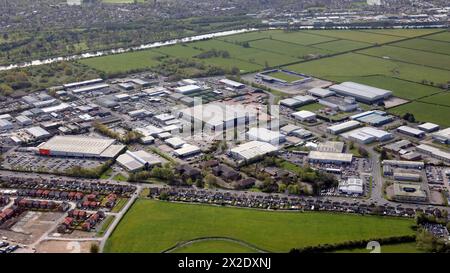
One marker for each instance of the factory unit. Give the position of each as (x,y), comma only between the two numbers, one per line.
(265,135)
(331,147)
(83,83)
(327,157)
(320,92)
(434,152)
(374,118)
(361,137)
(404,164)
(219,116)
(80,146)
(188,89)
(402,176)
(352,185)
(406,192)
(304,115)
(139,113)
(368,135)
(347,104)
(232,84)
(90,88)
(289,129)
(126,86)
(187,150)
(361,92)
(175,142)
(251,151)
(135,161)
(343,127)
(411,131)
(5,125)
(442,136)
(297,101)
(428,127)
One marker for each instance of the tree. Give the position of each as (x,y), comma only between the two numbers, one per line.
(210,180)
(383,155)
(94,248)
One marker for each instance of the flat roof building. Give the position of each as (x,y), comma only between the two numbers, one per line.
(361,92)
(428,127)
(134,161)
(434,152)
(188,89)
(175,142)
(343,127)
(331,147)
(232,84)
(252,150)
(407,192)
(411,131)
(90,88)
(82,83)
(320,92)
(304,115)
(352,185)
(80,146)
(327,157)
(5,124)
(37,132)
(265,135)
(187,150)
(442,136)
(404,164)
(402,176)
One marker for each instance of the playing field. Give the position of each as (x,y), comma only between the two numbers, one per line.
(155,226)
(285,76)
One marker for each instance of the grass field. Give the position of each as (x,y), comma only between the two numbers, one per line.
(154,226)
(214,246)
(342,45)
(424,112)
(400,88)
(411,56)
(359,36)
(395,248)
(440,99)
(425,45)
(313,107)
(285,76)
(443,36)
(408,33)
(123,62)
(294,50)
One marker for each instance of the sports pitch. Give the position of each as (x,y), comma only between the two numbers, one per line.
(155,226)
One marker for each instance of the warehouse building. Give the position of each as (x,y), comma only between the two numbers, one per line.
(304,115)
(232,84)
(331,147)
(90,88)
(252,150)
(434,152)
(219,116)
(320,92)
(428,127)
(187,150)
(405,192)
(297,101)
(175,142)
(135,161)
(411,131)
(347,104)
(352,185)
(343,127)
(374,118)
(361,92)
(5,125)
(327,157)
(37,132)
(80,146)
(188,89)
(442,136)
(404,164)
(402,176)
(368,135)
(83,83)
(265,135)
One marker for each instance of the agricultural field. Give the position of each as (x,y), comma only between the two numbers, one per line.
(407,33)
(249,36)
(155,226)
(301,37)
(443,36)
(439,99)
(400,88)
(296,51)
(355,35)
(342,46)
(424,112)
(285,76)
(425,45)
(353,64)
(118,63)
(435,60)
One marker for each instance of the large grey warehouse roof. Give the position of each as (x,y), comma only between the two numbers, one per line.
(361,91)
(83,145)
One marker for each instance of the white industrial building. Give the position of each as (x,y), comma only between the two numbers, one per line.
(320,92)
(361,92)
(343,127)
(442,136)
(90,88)
(5,124)
(434,152)
(80,146)
(265,135)
(331,147)
(232,84)
(187,150)
(175,142)
(82,83)
(134,161)
(368,135)
(327,157)
(188,89)
(37,132)
(297,101)
(428,127)
(304,115)
(352,185)
(410,131)
(219,116)
(361,137)
(252,150)
(404,164)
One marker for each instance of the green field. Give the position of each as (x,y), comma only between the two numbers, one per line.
(342,45)
(296,51)
(395,248)
(408,33)
(443,36)
(424,112)
(352,64)
(359,36)
(435,60)
(313,107)
(285,76)
(214,246)
(400,88)
(440,99)
(123,62)
(425,45)
(155,226)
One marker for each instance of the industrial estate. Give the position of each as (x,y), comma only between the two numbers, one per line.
(280,139)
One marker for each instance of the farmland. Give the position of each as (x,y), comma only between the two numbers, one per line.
(424,112)
(439,99)
(425,45)
(154,226)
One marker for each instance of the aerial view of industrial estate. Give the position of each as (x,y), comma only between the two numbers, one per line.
(182,126)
